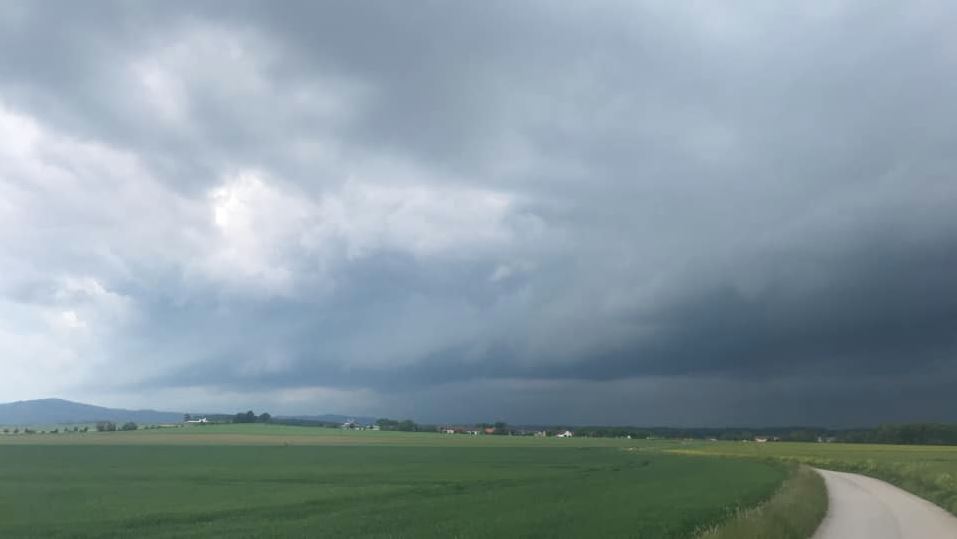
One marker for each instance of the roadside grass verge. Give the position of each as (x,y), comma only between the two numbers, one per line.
(918,478)
(793,512)
(926,471)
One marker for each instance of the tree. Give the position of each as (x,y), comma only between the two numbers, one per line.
(187,417)
(264,417)
(105,426)
(6,431)
(802,435)
(129,425)
(248,417)
(387,424)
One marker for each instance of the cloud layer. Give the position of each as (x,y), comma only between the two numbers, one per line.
(625,213)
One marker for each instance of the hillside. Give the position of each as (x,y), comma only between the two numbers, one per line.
(59,411)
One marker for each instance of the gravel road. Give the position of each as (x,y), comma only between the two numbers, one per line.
(866,508)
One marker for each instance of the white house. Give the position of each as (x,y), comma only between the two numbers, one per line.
(202,420)
(565,434)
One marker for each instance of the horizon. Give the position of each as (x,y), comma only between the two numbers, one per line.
(280,415)
(613,214)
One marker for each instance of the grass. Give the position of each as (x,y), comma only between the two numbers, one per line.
(927,471)
(242,481)
(794,512)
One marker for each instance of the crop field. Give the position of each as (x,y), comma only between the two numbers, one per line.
(928,471)
(261,480)
(259,434)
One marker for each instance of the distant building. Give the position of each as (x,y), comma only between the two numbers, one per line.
(194,421)
(761,439)
(565,434)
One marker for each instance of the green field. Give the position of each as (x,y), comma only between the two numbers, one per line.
(263,480)
(928,471)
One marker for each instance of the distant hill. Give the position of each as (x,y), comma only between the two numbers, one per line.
(59,411)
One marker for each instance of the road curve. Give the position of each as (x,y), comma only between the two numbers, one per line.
(862,507)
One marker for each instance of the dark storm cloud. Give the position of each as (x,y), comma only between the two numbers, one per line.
(397,202)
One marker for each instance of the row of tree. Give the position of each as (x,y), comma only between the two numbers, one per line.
(914,433)
(909,434)
(405,425)
(109,426)
(251,417)
(16,430)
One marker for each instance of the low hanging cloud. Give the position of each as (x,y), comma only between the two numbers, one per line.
(625,213)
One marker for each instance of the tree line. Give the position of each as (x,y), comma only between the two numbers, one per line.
(405,425)
(905,434)
(251,417)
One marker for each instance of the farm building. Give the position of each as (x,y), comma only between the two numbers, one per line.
(565,434)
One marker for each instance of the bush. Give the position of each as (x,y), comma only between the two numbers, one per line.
(105,426)
(129,425)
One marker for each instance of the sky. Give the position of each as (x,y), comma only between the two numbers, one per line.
(645,213)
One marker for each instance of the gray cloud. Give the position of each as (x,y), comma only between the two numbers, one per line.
(397,208)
